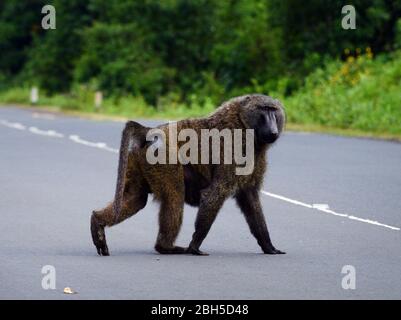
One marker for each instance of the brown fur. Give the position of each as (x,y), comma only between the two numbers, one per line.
(205,186)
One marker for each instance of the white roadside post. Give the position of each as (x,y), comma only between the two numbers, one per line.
(34,95)
(98,100)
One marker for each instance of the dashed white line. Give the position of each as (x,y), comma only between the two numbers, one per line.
(19,126)
(49,133)
(14,125)
(99,145)
(326,210)
(103,146)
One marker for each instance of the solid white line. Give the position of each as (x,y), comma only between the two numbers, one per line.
(332,212)
(373,222)
(323,209)
(299,203)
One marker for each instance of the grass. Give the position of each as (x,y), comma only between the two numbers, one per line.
(81,101)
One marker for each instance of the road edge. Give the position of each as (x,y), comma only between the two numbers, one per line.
(290,127)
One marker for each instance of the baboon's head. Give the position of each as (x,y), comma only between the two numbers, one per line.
(263,114)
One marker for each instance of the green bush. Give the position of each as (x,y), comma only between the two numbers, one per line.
(359,93)
(119,60)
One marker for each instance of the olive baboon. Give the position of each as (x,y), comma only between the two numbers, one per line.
(206,186)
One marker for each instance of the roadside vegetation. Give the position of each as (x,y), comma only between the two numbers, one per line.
(175,59)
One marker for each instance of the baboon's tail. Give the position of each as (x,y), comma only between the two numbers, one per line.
(132,137)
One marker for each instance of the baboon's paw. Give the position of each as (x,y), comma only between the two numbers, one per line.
(273,250)
(179,250)
(196,252)
(103,251)
(99,237)
(170,250)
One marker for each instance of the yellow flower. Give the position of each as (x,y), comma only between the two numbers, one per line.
(346,51)
(344,70)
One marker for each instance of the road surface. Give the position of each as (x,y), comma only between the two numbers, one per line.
(329,201)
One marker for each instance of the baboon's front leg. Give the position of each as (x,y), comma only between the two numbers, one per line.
(249,202)
(212,200)
(106,218)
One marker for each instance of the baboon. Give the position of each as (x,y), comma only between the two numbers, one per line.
(206,186)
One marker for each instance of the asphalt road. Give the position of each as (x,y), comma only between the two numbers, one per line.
(49,184)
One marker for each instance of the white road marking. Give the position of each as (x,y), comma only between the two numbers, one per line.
(325,209)
(99,145)
(49,133)
(321,206)
(103,146)
(14,125)
(332,212)
(299,203)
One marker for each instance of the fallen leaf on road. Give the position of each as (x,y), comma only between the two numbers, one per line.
(68,290)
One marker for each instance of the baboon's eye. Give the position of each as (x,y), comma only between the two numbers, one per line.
(262,118)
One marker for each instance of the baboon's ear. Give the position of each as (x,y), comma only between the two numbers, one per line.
(134,125)
(244,101)
(244,112)
(247,117)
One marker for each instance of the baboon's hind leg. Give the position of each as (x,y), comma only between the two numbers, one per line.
(132,203)
(212,199)
(170,220)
